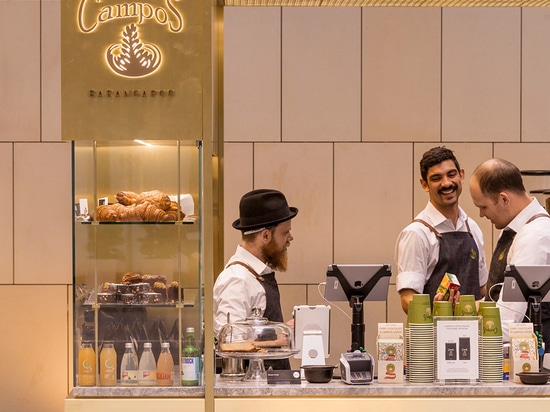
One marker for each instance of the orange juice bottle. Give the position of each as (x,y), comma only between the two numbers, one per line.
(165,366)
(86,365)
(107,365)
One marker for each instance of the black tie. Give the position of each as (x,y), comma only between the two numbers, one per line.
(498,263)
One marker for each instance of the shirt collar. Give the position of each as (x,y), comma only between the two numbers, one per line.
(527,213)
(245,256)
(438,218)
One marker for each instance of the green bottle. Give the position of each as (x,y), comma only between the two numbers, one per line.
(190,360)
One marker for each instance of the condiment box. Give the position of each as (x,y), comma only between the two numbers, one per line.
(448,283)
(523,350)
(390,348)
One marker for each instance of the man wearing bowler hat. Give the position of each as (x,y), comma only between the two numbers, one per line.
(248,281)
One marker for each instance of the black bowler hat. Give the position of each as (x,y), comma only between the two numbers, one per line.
(263,208)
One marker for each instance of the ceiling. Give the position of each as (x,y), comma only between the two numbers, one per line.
(389,3)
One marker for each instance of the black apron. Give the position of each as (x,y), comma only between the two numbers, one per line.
(459,255)
(273,311)
(498,264)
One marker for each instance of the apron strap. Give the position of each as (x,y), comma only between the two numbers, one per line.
(536,217)
(439,235)
(259,277)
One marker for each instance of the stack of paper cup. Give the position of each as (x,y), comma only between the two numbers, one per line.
(491,345)
(466,306)
(420,340)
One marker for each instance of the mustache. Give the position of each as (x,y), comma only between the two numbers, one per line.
(451,186)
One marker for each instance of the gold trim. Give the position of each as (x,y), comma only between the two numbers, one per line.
(387,3)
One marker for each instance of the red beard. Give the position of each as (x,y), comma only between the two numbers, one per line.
(276,259)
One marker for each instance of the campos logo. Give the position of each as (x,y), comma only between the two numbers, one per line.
(131,57)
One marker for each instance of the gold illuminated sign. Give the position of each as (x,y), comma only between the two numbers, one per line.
(133,60)
(130,57)
(140,12)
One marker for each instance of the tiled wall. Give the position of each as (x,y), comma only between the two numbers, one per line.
(35,211)
(334,106)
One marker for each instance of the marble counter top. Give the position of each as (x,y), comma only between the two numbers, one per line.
(335,388)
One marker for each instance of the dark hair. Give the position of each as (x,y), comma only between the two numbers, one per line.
(497,175)
(435,156)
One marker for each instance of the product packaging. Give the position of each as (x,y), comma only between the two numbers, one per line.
(390,348)
(448,283)
(523,350)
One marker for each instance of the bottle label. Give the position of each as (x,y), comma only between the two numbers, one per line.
(190,369)
(129,376)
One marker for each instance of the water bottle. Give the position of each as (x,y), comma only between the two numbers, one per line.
(129,366)
(147,374)
(190,360)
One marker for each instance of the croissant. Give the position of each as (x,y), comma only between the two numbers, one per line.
(127,198)
(153,213)
(156,197)
(106,213)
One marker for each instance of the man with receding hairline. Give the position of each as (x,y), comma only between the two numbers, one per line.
(497,189)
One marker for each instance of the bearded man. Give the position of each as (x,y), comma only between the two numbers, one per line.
(247,284)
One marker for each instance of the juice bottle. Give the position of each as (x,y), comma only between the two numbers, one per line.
(165,366)
(129,366)
(107,365)
(86,365)
(147,374)
(190,360)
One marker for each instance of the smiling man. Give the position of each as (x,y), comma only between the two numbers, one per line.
(441,238)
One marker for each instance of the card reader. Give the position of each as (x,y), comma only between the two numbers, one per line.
(356,368)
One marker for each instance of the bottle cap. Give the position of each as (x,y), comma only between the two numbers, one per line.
(147,345)
(128,345)
(165,345)
(190,329)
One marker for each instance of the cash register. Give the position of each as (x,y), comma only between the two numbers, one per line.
(356,368)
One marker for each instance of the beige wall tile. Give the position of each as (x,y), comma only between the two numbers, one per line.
(372,187)
(238,179)
(321,86)
(51,70)
(6,213)
(252,60)
(20,116)
(481,74)
(401,73)
(303,172)
(34,348)
(535,90)
(43,213)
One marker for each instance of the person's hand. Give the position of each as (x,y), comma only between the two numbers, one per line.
(454,296)
(290,323)
(438,297)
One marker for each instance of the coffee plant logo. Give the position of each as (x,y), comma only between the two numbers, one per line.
(131,57)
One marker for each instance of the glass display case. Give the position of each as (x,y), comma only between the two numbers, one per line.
(137,239)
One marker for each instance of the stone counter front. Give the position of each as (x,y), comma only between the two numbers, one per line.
(336,388)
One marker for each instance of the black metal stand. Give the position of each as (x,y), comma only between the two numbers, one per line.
(535,314)
(357,324)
